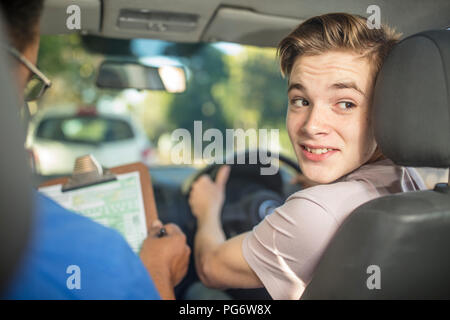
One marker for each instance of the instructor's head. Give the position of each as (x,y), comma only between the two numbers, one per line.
(331,62)
(22,25)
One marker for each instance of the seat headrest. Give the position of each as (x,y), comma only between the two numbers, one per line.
(411,101)
(15,176)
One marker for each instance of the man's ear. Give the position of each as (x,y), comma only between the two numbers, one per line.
(30,52)
(32,49)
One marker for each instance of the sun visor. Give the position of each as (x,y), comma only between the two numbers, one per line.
(248,27)
(67,16)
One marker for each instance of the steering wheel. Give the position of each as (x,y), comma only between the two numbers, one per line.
(250,196)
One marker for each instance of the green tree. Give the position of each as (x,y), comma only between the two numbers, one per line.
(207,68)
(72,70)
(255,94)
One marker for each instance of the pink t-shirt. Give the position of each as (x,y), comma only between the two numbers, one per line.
(286,246)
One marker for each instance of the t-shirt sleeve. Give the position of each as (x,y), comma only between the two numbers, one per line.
(285,247)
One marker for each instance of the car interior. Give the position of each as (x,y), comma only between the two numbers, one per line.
(406,232)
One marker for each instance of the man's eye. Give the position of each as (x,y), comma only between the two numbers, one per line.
(345,105)
(299,102)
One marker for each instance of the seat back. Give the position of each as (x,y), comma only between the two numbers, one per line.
(395,247)
(401,239)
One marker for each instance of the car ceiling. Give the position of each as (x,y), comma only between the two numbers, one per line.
(254,22)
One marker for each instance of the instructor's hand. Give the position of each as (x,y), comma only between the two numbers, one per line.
(166,258)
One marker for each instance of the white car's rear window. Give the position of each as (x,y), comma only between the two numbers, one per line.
(84,129)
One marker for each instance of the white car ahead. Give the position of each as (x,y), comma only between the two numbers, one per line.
(56,138)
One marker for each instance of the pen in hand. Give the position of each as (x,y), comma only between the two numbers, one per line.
(162,232)
(157,224)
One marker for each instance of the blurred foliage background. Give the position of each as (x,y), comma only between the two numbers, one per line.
(242,89)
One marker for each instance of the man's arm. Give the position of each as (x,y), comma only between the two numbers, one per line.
(219,263)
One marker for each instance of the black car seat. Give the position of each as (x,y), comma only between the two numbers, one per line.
(401,239)
(15,183)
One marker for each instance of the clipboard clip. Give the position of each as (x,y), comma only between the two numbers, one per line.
(87,172)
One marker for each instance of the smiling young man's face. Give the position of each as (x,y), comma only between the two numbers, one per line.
(328,115)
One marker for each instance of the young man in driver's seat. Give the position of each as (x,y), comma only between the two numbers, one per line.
(331,62)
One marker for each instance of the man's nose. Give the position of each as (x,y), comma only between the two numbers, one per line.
(316,122)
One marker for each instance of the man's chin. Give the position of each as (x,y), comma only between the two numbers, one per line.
(322,172)
(320,176)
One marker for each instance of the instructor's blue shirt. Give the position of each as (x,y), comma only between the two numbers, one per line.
(63,243)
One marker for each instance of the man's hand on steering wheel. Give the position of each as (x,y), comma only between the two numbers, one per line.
(207,197)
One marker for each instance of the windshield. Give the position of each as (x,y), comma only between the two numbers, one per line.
(229,86)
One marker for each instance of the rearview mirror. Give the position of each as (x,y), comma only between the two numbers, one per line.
(125,75)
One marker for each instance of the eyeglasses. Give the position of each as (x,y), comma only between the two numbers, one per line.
(38,83)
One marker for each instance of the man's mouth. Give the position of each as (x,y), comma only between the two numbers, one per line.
(317,153)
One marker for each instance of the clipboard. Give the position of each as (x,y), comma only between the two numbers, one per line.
(88,175)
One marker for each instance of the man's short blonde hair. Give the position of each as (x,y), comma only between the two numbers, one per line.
(336,31)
